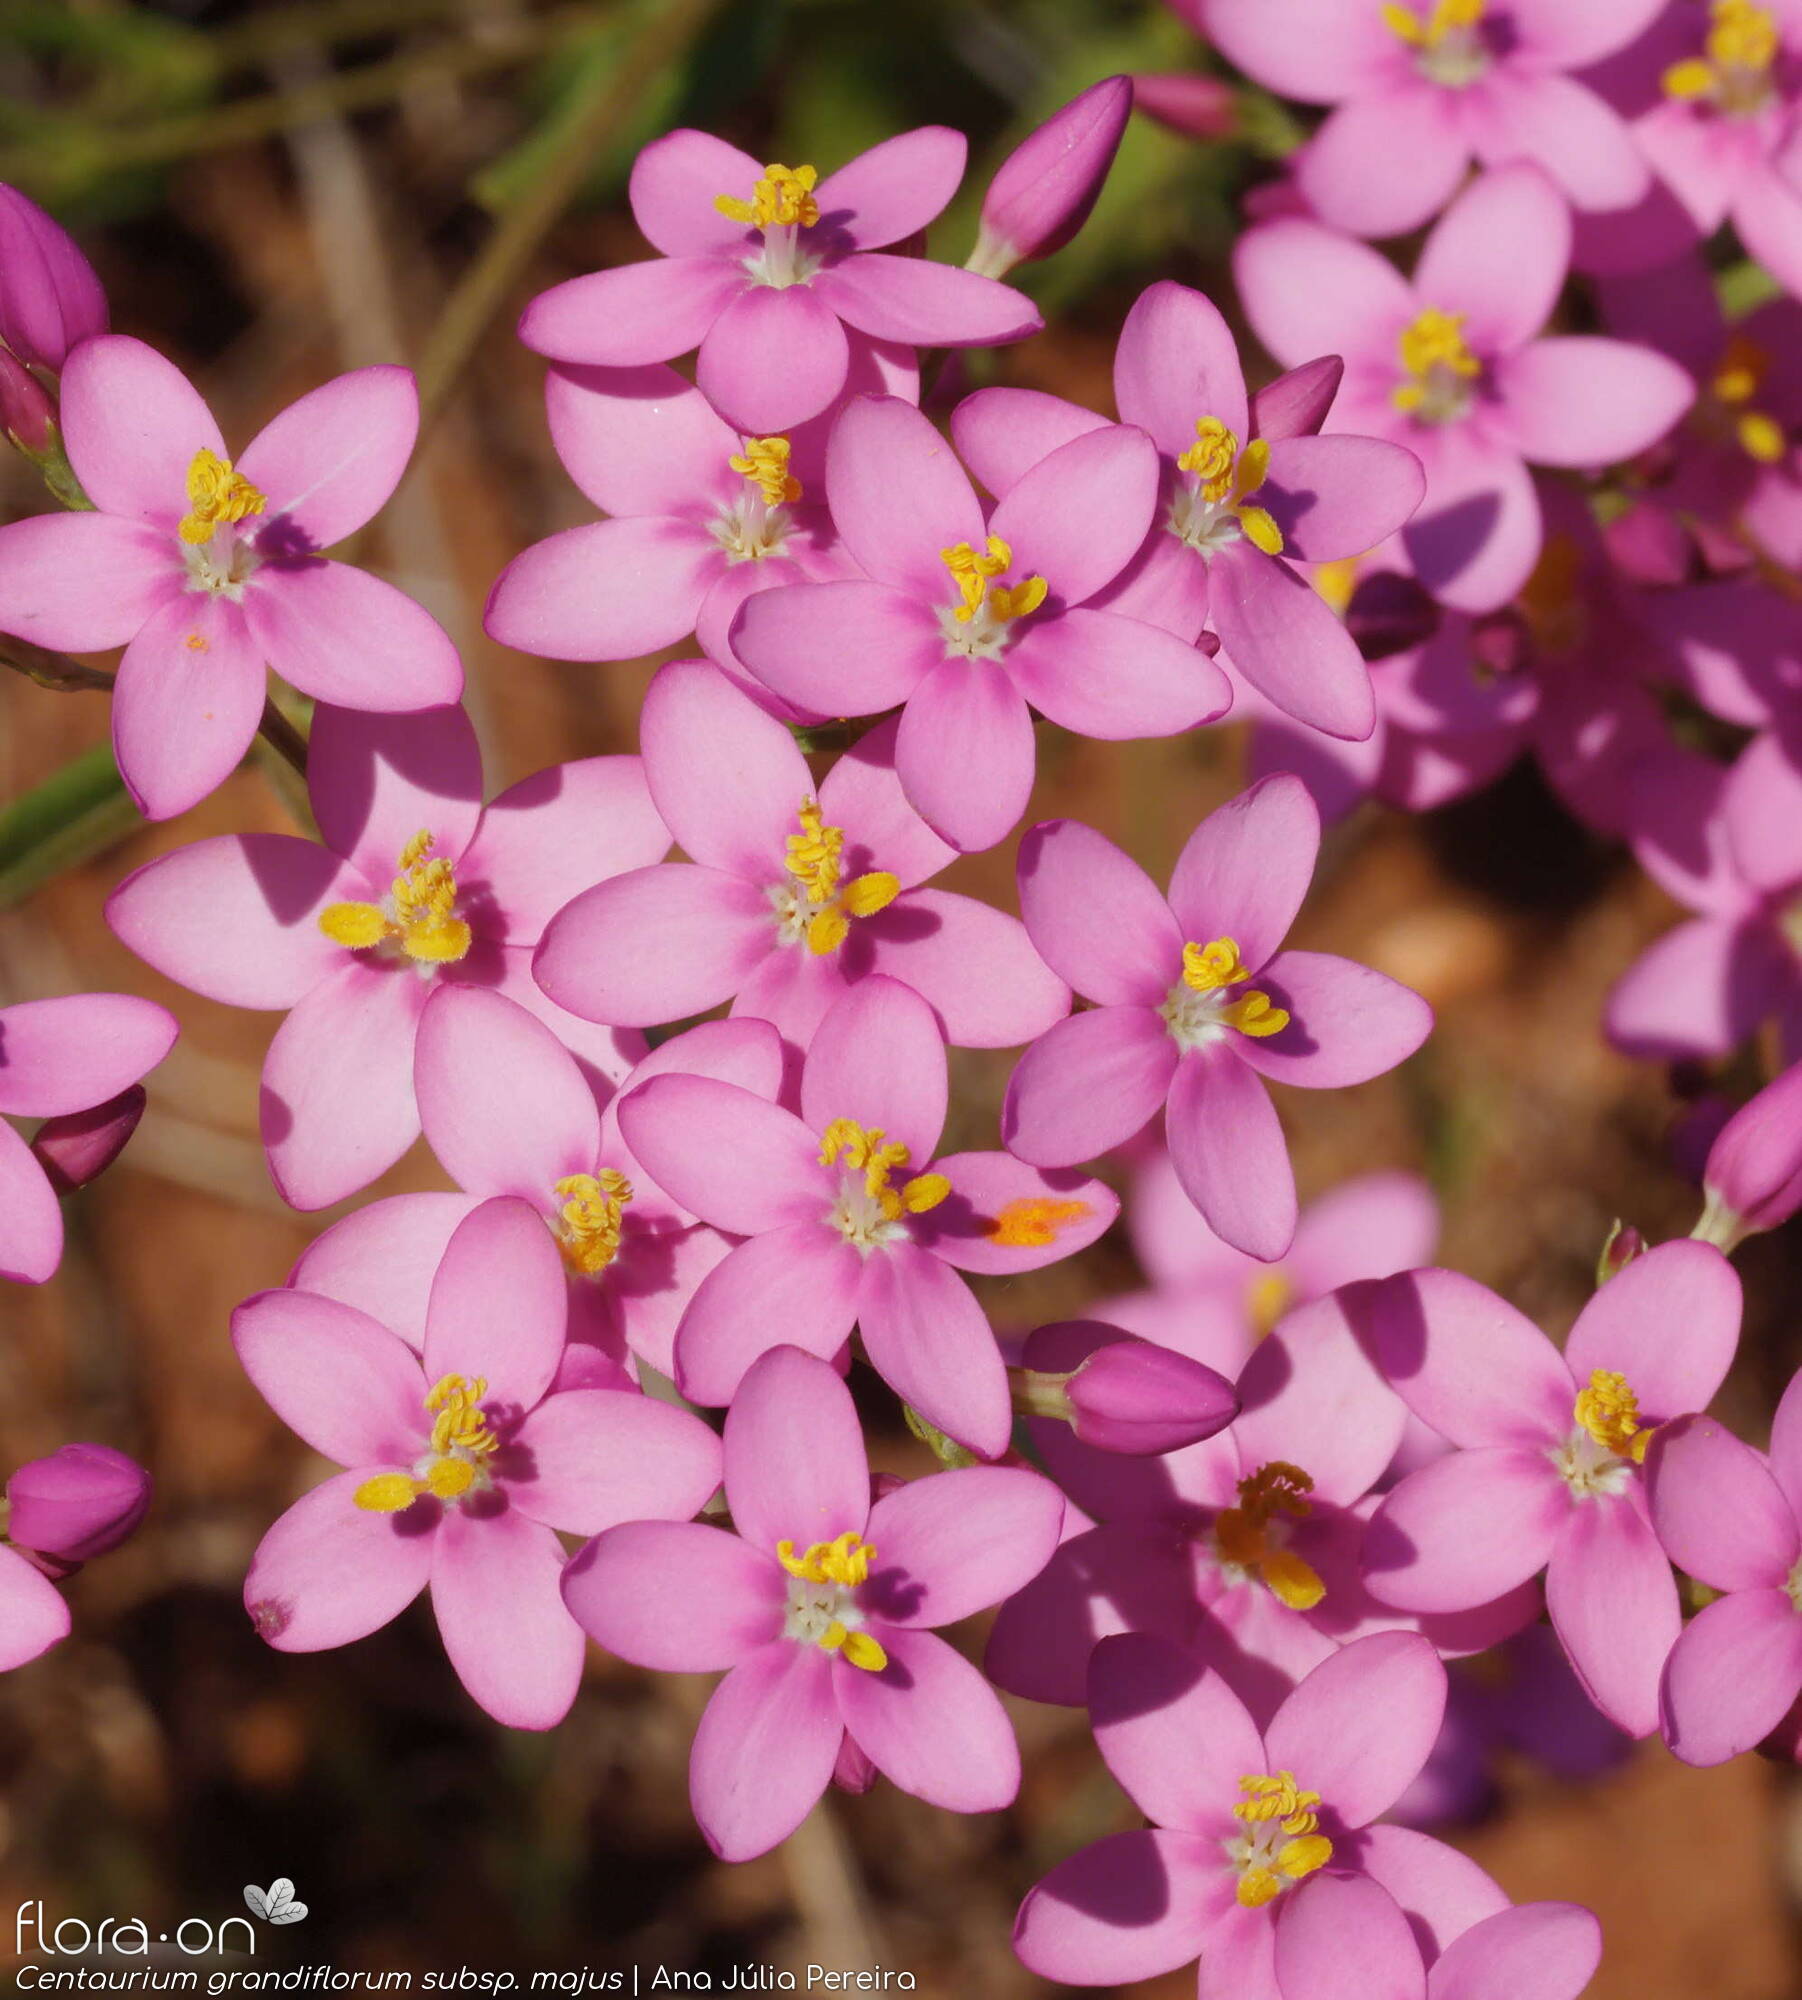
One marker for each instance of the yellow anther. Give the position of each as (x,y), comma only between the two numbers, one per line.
(460,1423)
(813,853)
(216,494)
(450,1478)
(1242,1534)
(1429,30)
(1226,477)
(860,1649)
(420,916)
(1609,1411)
(1761,437)
(976,573)
(1034,1222)
(866,1151)
(923,1192)
(815,860)
(1438,364)
(845,1561)
(461,1439)
(1741,47)
(1256,1015)
(783,198)
(589,1221)
(1277,1800)
(387,1493)
(765,464)
(1208,968)
(1267,1299)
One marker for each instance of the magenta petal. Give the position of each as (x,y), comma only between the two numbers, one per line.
(1177,363)
(675,180)
(1669,1322)
(1001,434)
(1095,916)
(617,1591)
(378,780)
(1077,518)
(726,1154)
(1613,1604)
(795,1467)
(1578,400)
(1087,1085)
(1732,1675)
(931,1724)
(587,1459)
(329,462)
(899,496)
(878,1058)
(1129,1907)
(186,703)
(33,1613)
(1288,642)
(773,358)
(1347,1023)
(336,1378)
(895,188)
(1700,989)
(1465,1529)
(1720,1515)
(1246,867)
(499,1305)
(1478,533)
(928,1339)
(1335,497)
(1296,404)
(921,304)
(78,1050)
(1071,1212)
(330,1571)
(608,590)
(847,648)
(1172,1732)
(960,1541)
(632,314)
(132,423)
(1341,1937)
(1098,674)
(727,778)
(1229,1152)
(83,582)
(1548,1949)
(796,1285)
(1384,163)
(1323,1727)
(765,1749)
(31,1217)
(500,1612)
(965,752)
(974,965)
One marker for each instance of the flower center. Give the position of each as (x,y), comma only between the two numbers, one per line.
(1251,1538)
(757,524)
(822,1599)
(453,1464)
(1439,368)
(417,919)
(781,205)
(976,627)
(1281,1843)
(868,1211)
(1208,511)
(1447,42)
(1196,1010)
(1608,1440)
(812,904)
(1733,74)
(588,1222)
(1734,384)
(216,495)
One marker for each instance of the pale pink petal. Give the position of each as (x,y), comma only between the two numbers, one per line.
(1700,989)
(83,582)
(879,1060)
(588,1459)
(974,965)
(765,1749)
(1442,1891)
(732,1602)
(78,1050)
(725,1153)
(329,1571)
(1130,1907)
(1732,1675)
(344,636)
(1550,1950)
(335,1377)
(1346,1022)
(1719,1513)
(132,424)
(331,460)
(960,1541)
(33,1612)
(1669,1322)
(931,1724)
(1478,533)
(1564,127)
(862,794)
(642,440)
(376,781)
(847,648)
(1095,915)
(1077,518)
(1308,291)
(1172,1732)
(1245,869)
(1289,643)
(1098,674)
(899,496)
(965,752)
(382,1259)
(633,313)
(1499,254)
(1334,497)
(1229,1152)
(1386,162)
(1367,1227)
(895,188)
(1343,1938)
(1087,1085)
(795,1467)
(1465,1529)
(672,189)
(977,1228)
(1176,364)
(928,1339)
(608,590)
(186,703)
(1556,37)
(922,304)
(500,1612)
(796,1285)
(1613,1604)
(1001,434)
(499,1305)
(773,358)
(1300,50)
(1322,1728)
(1580,400)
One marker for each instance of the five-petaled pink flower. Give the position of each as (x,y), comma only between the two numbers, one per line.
(206,571)
(821,1607)
(464,1457)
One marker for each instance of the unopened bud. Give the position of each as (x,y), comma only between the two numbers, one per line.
(1390,614)
(853,1771)
(1624,1244)
(27,414)
(1296,404)
(1047,185)
(78,1503)
(1128,1396)
(1200,107)
(1753,1179)
(49,295)
(79,1146)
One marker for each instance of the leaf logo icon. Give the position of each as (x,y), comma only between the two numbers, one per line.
(276,1904)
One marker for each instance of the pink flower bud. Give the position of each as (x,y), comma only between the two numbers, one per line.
(49,295)
(1624,1244)
(78,1503)
(1047,185)
(27,414)
(1128,1395)
(1753,1179)
(1200,107)
(79,1146)
(852,1772)
(1296,404)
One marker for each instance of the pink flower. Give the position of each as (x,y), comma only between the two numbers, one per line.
(1451,365)
(1727,1516)
(851,1219)
(1346,1938)
(58,1057)
(1178,1022)
(1046,188)
(464,1458)
(971,623)
(701,516)
(770,270)
(788,898)
(1418,91)
(415,885)
(83,1501)
(1240,1816)
(1753,1174)
(205,570)
(1246,491)
(509,1111)
(1547,1470)
(49,296)
(821,1608)
(1119,1393)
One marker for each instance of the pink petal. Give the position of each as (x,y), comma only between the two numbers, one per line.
(329,1572)
(500,1612)
(1367,1227)
(1072,1212)
(1499,254)
(965,752)
(632,314)
(726,1154)
(879,1059)
(1343,1938)
(731,1604)
(1095,915)
(765,1749)
(337,1100)
(850,648)
(1001,434)
(378,780)
(1786,1445)
(1323,1729)
(592,1458)
(1465,1529)
(1386,162)
(83,582)
(382,1259)
(499,1306)
(1761,805)
(862,794)
(1669,1322)
(960,1541)
(186,703)
(1478,533)
(1078,517)
(895,188)
(1548,1949)
(1579,400)
(1246,867)
(1229,1152)
(76,1051)
(330,461)
(931,1724)
(1334,497)
(974,965)
(31,1218)
(1732,1675)
(1442,1891)
(1564,127)
(1098,674)
(641,441)
(921,304)
(1177,363)
(33,1613)
(1347,1023)
(929,1341)
(773,358)
(1299,50)
(1172,1732)
(899,496)
(1561,39)
(1308,291)
(793,1285)
(609,590)
(726,777)
(1087,1085)
(1613,1604)
(335,1377)
(1288,642)
(672,189)
(795,1467)
(1466,1363)
(344,636)
(1700,989)
(1130,1907)
(132,423)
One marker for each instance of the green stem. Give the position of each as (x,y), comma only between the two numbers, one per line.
(75,814)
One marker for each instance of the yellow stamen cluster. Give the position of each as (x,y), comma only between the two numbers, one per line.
(783,199)
(1609,1411)
(424,920)
(1736,381)
(1427,31)
(1734,71)
(1209,967)
(588,1223)
(1034,1222)
(1278,1798)
(842,1564)
(1438,365)
(461,1439)
(864,1150)
(815,860)
(1226,475)
(976,573)
(1242,1533)
(216,494)
(764,462)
